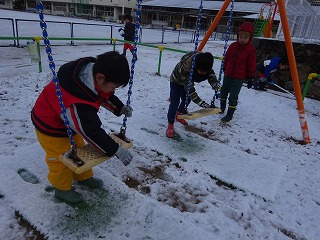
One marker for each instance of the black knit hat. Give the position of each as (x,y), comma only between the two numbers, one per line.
(114,67)
(204,61)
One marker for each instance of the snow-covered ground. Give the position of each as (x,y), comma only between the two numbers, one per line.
(250,179)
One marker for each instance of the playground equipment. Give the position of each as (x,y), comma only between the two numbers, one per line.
(306,87)
(81,159)
(291,58)
(34,51)
(263,23)
(201,112)
(213,110)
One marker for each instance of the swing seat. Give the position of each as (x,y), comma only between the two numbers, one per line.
(199,113)
(90,156)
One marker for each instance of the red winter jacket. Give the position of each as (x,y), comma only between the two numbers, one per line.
(240,59)
(82,100)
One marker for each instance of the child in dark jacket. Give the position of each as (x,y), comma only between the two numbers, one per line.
(267,68)
(239,65)
(179,80)
(128,34)
(86,84)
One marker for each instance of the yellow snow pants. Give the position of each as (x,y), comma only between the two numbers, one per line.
(59,175)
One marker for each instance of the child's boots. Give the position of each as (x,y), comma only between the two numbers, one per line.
(170,131)
(182,121)
(262,86)
(229,115)
(91,183)
(69,196)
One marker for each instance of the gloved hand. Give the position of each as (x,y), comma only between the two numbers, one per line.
(263,79)
(203,104)
(250,82)
(124,155)
(126,110)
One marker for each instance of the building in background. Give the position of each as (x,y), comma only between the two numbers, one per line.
(183,14)
(106,10)
(164,13)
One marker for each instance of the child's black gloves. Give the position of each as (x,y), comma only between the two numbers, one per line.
(124,155)
(250,83)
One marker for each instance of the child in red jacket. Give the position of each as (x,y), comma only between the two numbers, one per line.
(239,66)
(86,84)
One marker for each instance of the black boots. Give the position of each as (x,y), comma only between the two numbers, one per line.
(229,115)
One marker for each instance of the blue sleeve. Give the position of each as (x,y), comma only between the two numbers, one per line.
(274,65)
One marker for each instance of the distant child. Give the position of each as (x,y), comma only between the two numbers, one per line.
(128,34)
(239,66)
(267,68)
(86,84)
(179,80)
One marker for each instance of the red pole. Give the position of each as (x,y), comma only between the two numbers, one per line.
(214,24)
(293,70)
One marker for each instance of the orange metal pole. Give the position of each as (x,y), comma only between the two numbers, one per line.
(214,24)
(293,70)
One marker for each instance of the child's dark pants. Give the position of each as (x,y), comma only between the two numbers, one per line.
(231,86)
(177,92)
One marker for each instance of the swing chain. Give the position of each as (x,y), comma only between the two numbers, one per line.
(196,42)
(217,93)
(133,61)
(52,66)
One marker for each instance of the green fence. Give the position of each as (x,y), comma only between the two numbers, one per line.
(113,40)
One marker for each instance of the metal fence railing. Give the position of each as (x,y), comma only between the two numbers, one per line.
(59,29)
(7,29)
(63,29)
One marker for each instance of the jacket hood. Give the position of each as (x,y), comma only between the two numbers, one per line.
(247,27)
(70,81)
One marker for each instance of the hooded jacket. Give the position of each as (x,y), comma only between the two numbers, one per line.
(240,59)
(82,100)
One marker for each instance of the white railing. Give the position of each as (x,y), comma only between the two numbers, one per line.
(304,20)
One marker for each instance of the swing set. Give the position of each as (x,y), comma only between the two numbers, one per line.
(84,158)
(290,53)
(212,110)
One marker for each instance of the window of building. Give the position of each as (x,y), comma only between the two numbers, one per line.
(84,9)
(46,5)
(103,11)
